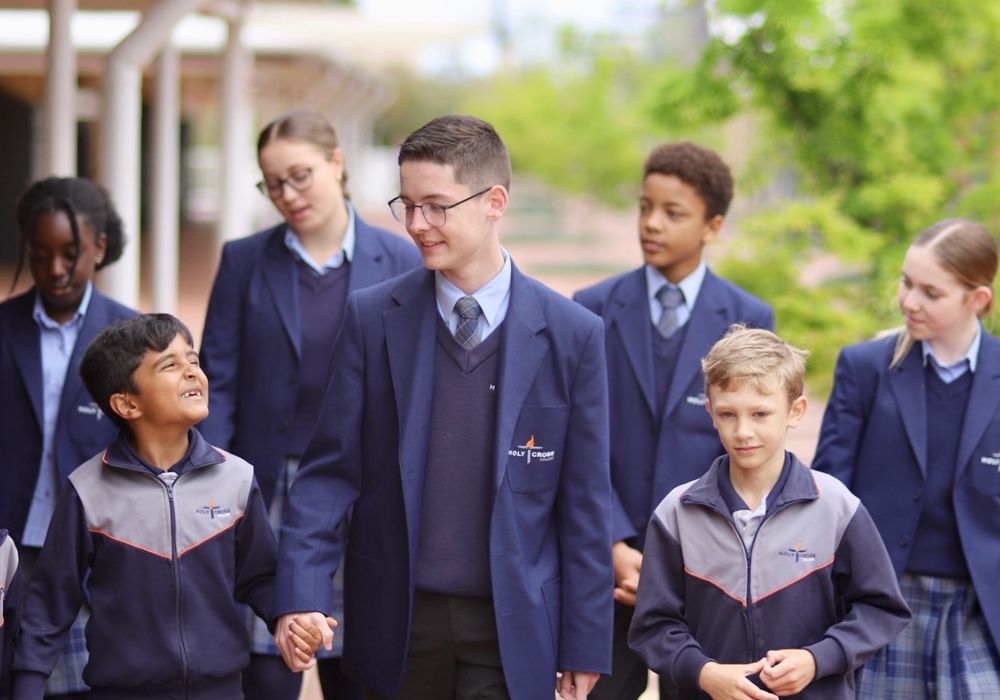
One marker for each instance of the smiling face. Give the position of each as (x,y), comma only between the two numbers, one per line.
(672,225)
(172,389)
(466,248)
(316,208)
(752,422)
(934,304)
(60,266)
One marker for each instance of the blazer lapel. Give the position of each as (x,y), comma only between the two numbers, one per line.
(368,263)
(984,398)
(631,322)
(26,346)
(907,384)
(278,265)
(409,336)
(706,325)
(522,350)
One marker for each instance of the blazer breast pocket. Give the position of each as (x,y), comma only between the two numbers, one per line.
(985,470)
(534,459)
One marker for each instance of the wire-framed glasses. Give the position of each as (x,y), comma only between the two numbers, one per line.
(300,181)
(434,214)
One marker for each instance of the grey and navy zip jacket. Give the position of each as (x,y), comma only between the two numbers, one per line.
(9,587)
(163,560)
(815,576)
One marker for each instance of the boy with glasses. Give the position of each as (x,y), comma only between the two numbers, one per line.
(468,438)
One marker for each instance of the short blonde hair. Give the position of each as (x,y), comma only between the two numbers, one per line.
(756,356)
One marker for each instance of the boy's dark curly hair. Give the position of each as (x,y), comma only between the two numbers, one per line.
(699,167)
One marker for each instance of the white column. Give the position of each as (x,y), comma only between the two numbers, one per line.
(238,164)
(165,189)
(120,129)
(60,92)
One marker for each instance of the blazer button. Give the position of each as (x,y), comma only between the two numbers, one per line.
(918,495)
(904,541)
(293,378)
(283,426)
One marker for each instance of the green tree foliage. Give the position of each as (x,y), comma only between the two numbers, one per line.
(885,112)
(577,123)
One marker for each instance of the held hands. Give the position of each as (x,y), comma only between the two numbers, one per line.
(788,671)
(575,685)
(299,635)
(730,682)
(627,562)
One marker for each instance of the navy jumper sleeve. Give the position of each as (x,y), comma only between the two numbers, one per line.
(54,595)
(659,631)
(875,610)
(256,558)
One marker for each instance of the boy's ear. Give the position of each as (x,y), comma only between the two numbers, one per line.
(124,404)
(797,411)
(498,198)
(712,227)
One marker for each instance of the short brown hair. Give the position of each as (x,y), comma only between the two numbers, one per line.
(305,126)
(697,166)
(756,356)
(469,145)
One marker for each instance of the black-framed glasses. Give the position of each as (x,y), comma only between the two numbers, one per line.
(434,214)
(300,181)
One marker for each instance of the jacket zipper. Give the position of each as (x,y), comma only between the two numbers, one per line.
(748,553)
(168,479)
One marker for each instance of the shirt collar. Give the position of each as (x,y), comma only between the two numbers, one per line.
(689,286)
(971,355)
(46,321)
(345,254)
(490,296)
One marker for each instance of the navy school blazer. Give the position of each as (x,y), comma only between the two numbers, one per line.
(250,347)
(81,429)
(649,457)
(874,439)
(550,525)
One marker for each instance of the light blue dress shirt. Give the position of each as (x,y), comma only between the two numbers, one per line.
(493,298)
(57,343)
(967,363)
(345,254)
(690,286)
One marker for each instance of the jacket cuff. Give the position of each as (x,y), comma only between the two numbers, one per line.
(829,656)
(29,684)
(687,667)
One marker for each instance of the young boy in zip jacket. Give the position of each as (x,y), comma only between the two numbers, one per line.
(162,534)
(762,579)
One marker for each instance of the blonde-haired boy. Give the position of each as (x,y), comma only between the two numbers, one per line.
(762,579)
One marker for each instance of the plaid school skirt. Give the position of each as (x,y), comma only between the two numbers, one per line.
(261,641)
(945,653)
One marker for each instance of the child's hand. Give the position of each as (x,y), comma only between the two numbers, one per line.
(294,635)
(306,636)
(729,681)
(627,562)
(788,671)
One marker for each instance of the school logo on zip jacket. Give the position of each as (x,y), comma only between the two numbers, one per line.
(798,553)
(213,511)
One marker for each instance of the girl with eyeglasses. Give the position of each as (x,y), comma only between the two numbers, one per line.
(274,312)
